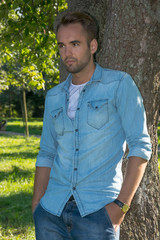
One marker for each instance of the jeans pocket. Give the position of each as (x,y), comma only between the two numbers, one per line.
(108,219)
(35,209)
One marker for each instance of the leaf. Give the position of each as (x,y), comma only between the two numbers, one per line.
(28,44)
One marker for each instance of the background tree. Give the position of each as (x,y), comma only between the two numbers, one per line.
(3,78)
(27,44)
(130,41)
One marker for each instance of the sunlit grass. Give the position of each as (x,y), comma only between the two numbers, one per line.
(17,125)
(17,164)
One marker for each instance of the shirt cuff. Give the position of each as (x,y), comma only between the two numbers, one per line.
(142,153)
(41,162)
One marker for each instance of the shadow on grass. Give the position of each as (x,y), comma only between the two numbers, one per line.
(16,211)
(16,175)
(20,129)
(13,146)
(23,155)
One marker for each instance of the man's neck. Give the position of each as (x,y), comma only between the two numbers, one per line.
(83,76)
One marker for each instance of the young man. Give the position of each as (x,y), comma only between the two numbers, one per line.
(78,191)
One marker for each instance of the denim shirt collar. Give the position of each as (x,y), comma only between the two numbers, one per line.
(96,77)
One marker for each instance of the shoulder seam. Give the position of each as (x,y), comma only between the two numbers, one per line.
(55,90)
(120,80)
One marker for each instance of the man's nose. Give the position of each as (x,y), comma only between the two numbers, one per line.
(68,51)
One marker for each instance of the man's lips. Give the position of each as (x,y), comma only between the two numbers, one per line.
(70,61)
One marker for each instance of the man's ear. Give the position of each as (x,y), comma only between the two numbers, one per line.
(93,46)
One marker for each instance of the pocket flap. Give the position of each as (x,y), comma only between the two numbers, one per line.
(55,113)
(98,103)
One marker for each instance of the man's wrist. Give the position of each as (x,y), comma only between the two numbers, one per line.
(34,205)
(124,207)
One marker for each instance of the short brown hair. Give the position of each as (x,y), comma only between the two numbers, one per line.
(85,19)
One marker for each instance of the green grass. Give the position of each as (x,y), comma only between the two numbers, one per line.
(17,167)
(17,164)
(16,125)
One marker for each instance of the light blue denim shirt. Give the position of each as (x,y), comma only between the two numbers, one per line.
(85,155)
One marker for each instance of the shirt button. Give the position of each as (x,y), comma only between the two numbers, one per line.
(77,149)
(76,130)
(75,169)
(78,108)
(84,90)
(74,188)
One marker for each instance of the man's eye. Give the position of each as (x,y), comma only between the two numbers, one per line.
(61,45)
(75,44)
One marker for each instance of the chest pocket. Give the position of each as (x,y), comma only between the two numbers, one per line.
(97,115)
(58,120)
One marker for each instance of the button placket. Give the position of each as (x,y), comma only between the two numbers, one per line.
(67,100)
(76,153)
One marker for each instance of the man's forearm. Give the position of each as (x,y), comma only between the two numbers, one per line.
(40,184)
(134,173)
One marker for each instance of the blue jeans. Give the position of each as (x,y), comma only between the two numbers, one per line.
(71,226)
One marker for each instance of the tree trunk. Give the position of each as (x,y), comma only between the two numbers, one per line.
(25,114)
(130,41)
(10,103)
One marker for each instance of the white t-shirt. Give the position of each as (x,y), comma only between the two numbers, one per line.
(74,92)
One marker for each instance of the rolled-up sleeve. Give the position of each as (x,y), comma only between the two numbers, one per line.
(48,143)
(133,118)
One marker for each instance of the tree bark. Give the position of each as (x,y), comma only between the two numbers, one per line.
(130,41)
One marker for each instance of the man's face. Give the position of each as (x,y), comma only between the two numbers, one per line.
(73,47)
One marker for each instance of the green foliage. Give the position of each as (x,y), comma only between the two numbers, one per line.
(17,164)
(27,42)
(3,78)
(11,103)
(28,51)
